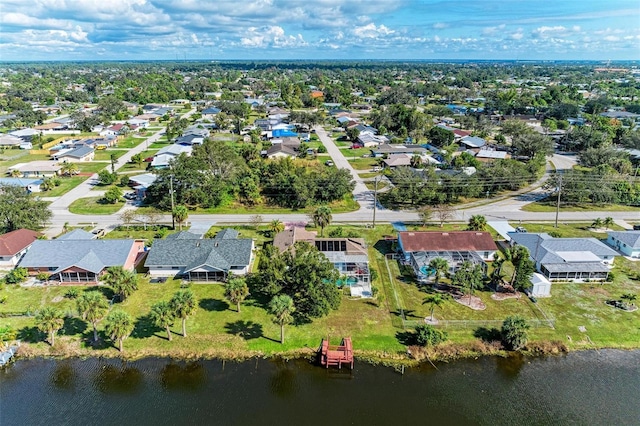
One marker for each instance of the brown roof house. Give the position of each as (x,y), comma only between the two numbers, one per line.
(419,248)
(348,255)
(13,245)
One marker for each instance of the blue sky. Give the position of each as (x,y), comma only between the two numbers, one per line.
(319,29)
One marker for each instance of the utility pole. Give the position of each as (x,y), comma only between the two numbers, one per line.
(375,199)
(173,207)
(558,202)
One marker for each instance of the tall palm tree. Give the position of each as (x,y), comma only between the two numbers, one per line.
(282,309)
(608,222)
(50,320)
(321,217)
(93,307)
(276,226)
(119,326)
(180,214)
(184,304)
(163,316)
(440,266)
(477,222)
(236,290)
(123,282)
(434,299)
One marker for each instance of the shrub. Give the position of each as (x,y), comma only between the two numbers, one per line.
(3,299)
(112,195)
(514,332)
(161,233)
(42,276)
(428,335)
(322,149)
(72,293)
(16,276)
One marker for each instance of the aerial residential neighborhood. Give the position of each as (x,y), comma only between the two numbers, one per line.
(403,203)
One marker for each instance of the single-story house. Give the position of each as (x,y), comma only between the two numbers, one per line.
(348,255)
(10,141)
(389,149)
(29,185)
(279,150)
(626,242)
(400,160)
(190,139)
(196,259)
(210,113)
(567,259)
(41,168)
(14,244)
(419,248)
(75,155)
(473,142)
(168,153)
(141,183)
(485,155)
(368,140)
(81,260)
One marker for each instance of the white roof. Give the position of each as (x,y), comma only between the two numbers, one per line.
(578,256)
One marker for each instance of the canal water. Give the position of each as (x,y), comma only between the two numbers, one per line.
(585,388)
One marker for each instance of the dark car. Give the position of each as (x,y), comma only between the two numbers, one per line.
(636,227)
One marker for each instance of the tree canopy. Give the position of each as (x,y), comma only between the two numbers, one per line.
(18,209)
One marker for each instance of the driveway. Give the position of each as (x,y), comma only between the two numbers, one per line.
(361,193)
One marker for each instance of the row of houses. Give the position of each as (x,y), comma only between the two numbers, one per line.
(79,258)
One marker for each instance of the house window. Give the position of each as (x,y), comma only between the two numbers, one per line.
(175,267)
(52,268)
(606,257)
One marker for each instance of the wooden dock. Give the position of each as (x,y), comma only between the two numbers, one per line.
(336,355)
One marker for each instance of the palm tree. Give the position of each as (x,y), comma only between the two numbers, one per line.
(468,276)
(276,226)
(113,158)
(608,222)
(282,309)
(236,290)
(180,214)
(93,307)
(50,320)
(47,184)
(435,299)
(119,326)
(163,316)
(440,266)
(477,223)
(416,161)
(69,169)
(123,282)
(629,298)
(184,304)
(597,223)
(321,218)
(15,173)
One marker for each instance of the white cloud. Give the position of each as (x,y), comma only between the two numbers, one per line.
(440,25)
(371,31)
(273,36)
(493,30)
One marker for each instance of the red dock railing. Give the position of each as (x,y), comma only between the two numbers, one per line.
(336,355)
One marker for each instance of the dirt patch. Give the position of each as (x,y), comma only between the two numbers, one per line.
(505,296)
(57,299)
(472,302)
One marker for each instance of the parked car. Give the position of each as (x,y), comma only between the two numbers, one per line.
(376,169)
(328,163)
(99,232)
(130,196)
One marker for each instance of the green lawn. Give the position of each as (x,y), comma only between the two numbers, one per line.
(91,205)
(92,167)
(551,207)
(355,153)
(105,154)
(363,163)
(567,230)
(66,184)
(130,141)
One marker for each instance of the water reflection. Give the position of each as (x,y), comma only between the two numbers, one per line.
(64,376)
(510,366)
(117,380)
(282,382)
(191,376)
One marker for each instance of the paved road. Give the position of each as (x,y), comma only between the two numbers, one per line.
(361,193)
(501,209)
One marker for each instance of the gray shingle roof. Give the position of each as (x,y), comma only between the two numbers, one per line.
(192,253)
(227,234)
(78,152)
(92,255)
(77,234)
(630,238)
